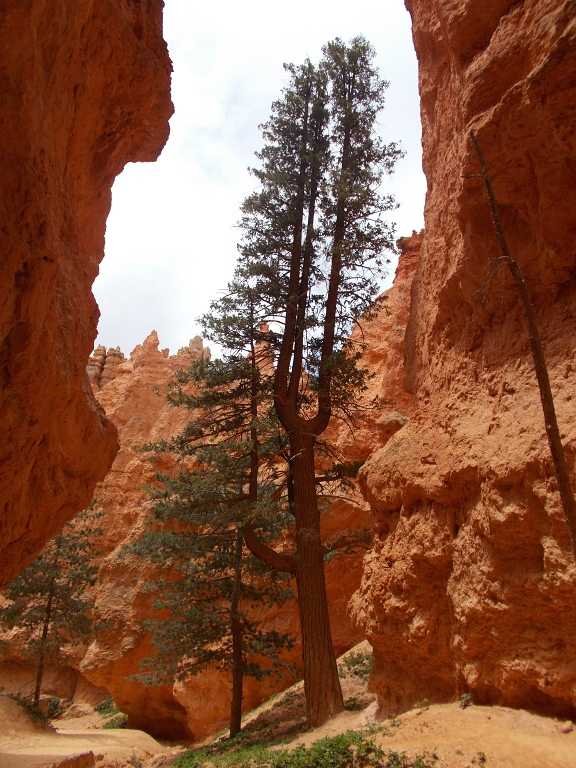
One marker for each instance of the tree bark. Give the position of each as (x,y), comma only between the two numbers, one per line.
(237,656)
(550,420)
(321,682)
(46,626)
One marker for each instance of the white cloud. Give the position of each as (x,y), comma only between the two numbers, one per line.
(171,237)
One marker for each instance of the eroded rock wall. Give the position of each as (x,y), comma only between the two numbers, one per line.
(471,584)
(85,89)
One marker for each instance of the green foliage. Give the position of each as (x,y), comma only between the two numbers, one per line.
(353,749)
(243,757)
(48,599)
(107,707)
(32,710)
(211,584)
(466,701)
(118,721)
(357,663)
(63,571)
(197,631)
(353,705)
(55,708)
(313,234)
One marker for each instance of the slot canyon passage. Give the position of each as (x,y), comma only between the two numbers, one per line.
(470,583)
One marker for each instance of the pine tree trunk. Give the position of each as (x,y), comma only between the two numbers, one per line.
(321,682)
(46,625)
(237,658)
(41,657)
(39,676)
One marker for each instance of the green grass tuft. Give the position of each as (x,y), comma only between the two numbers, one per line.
(107,707)
(118,721)
(354,749)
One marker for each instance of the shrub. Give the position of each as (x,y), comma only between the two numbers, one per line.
(354,749)
(55,708)
(31,709)
(118,721)
(107,707)
(357,663)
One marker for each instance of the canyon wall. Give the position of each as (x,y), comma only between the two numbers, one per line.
(471,584)
(85,89)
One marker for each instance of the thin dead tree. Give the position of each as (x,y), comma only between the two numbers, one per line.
(550,420)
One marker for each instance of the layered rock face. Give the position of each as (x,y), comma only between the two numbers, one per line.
(85,89)
(471,584)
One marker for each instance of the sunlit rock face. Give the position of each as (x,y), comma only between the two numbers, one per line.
(471,584)
(85,89)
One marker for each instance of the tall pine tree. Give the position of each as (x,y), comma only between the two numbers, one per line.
(311,258)
(314,235)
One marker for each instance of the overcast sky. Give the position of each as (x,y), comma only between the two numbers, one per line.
(171,235)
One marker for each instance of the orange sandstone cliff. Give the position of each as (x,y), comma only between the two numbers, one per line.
(85,89)
(471,584)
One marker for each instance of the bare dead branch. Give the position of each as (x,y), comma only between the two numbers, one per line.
(550,420)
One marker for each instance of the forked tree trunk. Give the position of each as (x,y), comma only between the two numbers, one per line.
(237,656)
(550,420)
(321,683)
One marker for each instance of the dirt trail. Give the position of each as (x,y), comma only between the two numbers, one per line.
(471,737)
(24,744)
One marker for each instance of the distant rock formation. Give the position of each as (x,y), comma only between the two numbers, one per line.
(103,365)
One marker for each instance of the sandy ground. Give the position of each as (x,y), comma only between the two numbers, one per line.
(23,744)
(494,737)
(508,738)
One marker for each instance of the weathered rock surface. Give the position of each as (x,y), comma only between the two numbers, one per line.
(389,406)
(85,89)
(471,584)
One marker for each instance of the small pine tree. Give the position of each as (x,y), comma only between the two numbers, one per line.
(212,581)
(48,599)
